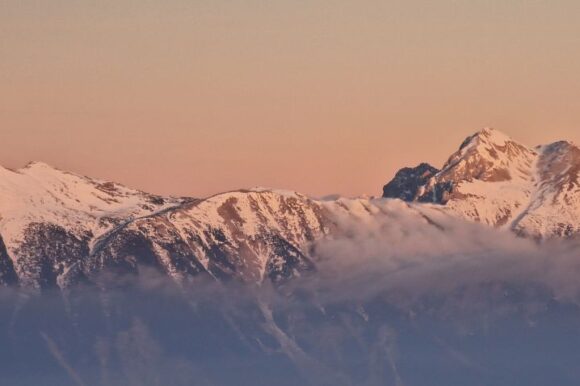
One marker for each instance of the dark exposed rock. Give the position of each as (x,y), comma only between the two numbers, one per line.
(286,261)
(408,181)
(49,251)
(7,273)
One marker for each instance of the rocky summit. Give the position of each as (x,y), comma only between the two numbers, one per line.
(497,181)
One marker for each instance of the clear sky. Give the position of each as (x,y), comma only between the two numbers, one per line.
(194,97)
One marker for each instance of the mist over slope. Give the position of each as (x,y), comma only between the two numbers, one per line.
(468,305)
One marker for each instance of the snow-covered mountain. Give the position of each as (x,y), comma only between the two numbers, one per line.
(495,180)
(50,220)
(59,228)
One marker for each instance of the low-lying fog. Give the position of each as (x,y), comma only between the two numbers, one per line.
(477,307)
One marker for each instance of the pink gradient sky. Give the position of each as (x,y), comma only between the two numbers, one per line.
(196,97)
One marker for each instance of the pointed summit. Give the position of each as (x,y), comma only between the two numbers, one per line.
(493,134)
(487,136)
(31,164)
(38,165)
(489,155)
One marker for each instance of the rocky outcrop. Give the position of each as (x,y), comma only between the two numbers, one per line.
(408,182)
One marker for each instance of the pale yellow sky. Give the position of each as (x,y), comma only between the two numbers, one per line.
(194,97)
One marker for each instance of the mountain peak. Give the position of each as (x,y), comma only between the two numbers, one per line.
(38,165)
(486,156)
(487,136)
(487,151)
(497,181)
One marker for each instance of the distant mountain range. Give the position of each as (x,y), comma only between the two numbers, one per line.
(58,228)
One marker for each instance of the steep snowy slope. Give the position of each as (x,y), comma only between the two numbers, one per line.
(246,235)
(494,180)
(50,218)
(554,208)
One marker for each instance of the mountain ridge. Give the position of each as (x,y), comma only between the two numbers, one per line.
(58,229)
